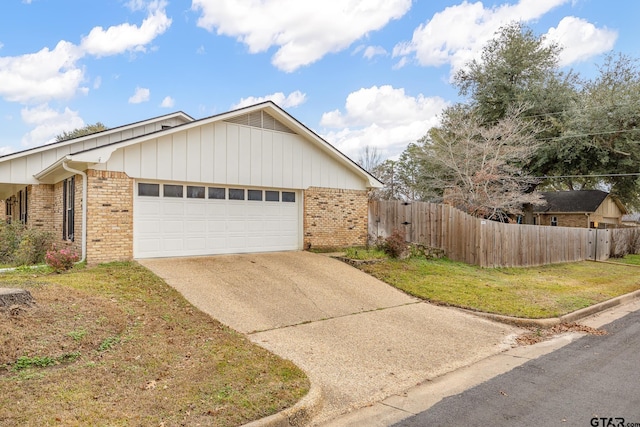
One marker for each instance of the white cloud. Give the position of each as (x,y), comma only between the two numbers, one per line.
(1,45)
(301,32)
(55,74)
(141,95)
(48,123)
(6,150)
(383,117)
(285,101)
(97,82)
(458,33)
(580,39)
(372,51)
(135,5)
(167,102)
(126,37)
(39,77)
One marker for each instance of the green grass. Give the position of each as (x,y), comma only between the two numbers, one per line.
(629,259)
(537,292)
(364,253)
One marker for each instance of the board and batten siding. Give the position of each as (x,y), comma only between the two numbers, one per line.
(227,153)
(21,169)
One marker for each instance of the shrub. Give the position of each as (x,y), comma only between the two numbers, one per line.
(33,247)
(10,236)
(61,259)
(395,245)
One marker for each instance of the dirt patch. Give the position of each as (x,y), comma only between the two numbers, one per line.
(542,334)
(114,345)
(64,321)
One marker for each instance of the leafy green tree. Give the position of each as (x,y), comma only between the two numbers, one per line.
(603,137)
(78,132)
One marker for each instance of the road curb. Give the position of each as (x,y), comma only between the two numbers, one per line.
(567,318)
(298,415)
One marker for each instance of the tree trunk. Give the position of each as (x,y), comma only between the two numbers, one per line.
(11,297)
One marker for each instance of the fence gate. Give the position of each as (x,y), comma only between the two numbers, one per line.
(598,241)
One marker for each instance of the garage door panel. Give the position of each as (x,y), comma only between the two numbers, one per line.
(165,226)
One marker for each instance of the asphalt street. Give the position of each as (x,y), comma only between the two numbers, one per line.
(593,381)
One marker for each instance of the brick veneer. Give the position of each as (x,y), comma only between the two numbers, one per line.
(40,203)
(335,218)
(110,210)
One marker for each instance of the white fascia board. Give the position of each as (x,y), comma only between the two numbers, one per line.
(55,145)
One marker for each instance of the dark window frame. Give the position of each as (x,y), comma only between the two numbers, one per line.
(175,187)
(146,186)
(68,208)
(215,192)
(234,191)
(253,195)
(268,196)
(554,221)
(23,205)
(289,196)
(196,192)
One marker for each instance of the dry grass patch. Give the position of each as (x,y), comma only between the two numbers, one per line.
(114,345)
(537,292)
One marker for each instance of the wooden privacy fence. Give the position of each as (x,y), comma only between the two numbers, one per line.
(483,242)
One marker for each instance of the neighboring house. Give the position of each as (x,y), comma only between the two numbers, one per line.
(631,220)
(585,208)
(250,180)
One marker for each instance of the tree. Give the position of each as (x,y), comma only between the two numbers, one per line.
(369,158)
(78,132)
(603,135)
(518,68)
(478,168)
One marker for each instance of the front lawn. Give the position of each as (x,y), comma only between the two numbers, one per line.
(536,292)
(115,345)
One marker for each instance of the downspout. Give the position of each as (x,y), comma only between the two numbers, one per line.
(85,185)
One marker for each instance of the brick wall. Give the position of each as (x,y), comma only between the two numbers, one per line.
(110,213)
(58,215)
(335,218)
(565,220)
(40,207)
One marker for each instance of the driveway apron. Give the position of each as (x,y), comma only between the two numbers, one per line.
(357,338)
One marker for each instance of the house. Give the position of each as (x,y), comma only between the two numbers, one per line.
(585,208)
(631,220)
(249,180)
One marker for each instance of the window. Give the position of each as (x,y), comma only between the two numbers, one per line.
(195,192)
(255,195)
(22,205)
(288,196)
(149,190)
(68,202)
(272,196)
(9,207)
(216,193)
(554,221)
(236,194)
(169,190)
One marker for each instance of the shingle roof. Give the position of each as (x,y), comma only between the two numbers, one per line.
(571,201)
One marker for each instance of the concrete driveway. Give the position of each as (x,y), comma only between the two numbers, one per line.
(357,338)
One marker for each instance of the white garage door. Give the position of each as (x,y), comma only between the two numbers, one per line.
(184,220)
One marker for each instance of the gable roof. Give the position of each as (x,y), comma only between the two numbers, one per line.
(57,144)
(574,201)
(265,115)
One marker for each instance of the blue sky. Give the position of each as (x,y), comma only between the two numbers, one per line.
(357,72)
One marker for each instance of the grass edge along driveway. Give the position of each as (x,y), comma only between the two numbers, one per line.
(115,345)
(532,292)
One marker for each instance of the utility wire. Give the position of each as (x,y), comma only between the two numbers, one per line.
(589,176)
